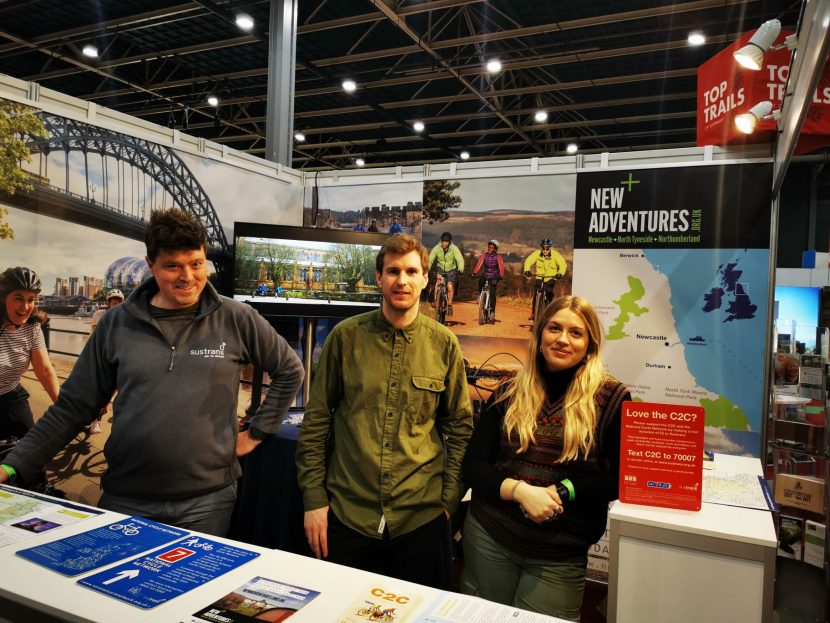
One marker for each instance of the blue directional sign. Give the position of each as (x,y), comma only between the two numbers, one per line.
(168,572)
(103,546)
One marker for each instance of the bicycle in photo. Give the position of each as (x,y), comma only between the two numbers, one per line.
(441,297)
(485,316)
(542,298)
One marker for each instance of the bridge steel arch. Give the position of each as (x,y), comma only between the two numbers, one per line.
(161,163)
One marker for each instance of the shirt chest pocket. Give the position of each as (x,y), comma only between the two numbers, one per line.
(425,392)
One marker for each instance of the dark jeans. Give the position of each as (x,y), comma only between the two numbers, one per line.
(209,513)
(15,414)
(549,293)
(494,284)
(423,556)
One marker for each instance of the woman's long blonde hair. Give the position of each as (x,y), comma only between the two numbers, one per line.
(526,395)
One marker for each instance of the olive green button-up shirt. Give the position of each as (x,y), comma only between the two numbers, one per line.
(386,425)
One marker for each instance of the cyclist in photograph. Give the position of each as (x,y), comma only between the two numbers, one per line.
(450,265)
(549,266)
(114,298)
(493,266)
(395,227)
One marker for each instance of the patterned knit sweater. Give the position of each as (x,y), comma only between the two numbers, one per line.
(491,458)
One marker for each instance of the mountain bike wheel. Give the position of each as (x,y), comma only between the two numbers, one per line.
(540,306)
(483,312)
(442,308)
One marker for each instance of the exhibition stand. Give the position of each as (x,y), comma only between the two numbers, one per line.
(716,564)
(30,593)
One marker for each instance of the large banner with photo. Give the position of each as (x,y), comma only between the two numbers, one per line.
(80,224)
(676,262)
(517,213)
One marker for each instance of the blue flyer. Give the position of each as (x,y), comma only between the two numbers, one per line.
(103,546)
(168,572)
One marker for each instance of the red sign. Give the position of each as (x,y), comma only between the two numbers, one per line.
(661,455)
(176,554)
(726,90)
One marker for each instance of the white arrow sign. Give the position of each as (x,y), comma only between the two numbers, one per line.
(127,573)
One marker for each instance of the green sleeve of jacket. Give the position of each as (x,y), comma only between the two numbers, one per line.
(311,445)
(454,421)
(531,260)
(459,259)
(432,255)
(561,264)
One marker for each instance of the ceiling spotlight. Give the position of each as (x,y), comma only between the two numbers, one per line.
(349,85)
(696,38)
(244,21)
(418,126)
(746,122)
(494,65)
(572,148)
(751,56)
(465,155)
(213,100)
(299,137)
(541,115)
(90,50)
(359,162)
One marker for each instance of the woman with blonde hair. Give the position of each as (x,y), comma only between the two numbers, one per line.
(543,463)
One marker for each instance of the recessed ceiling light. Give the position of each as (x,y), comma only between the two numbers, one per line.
(244,21)
(349,85)
(90,50)
(696,38)
(494,65)
(213,100)
(359,162)
(541,115)
(572,148)
(418,126)
(465,155)
(299,137)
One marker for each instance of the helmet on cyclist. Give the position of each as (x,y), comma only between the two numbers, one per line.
(115,294)
(546,242)
(19,278)
(495,244)
(446,237)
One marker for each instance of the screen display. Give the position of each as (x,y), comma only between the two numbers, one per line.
(305,271)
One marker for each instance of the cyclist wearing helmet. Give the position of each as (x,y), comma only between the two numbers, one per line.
(550,267)
(450,264)
(21,344)
(493,270)
(395,227)
(114,298)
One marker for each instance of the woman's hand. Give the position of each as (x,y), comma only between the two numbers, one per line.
(540,504)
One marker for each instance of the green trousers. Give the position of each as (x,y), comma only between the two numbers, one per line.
(493,572)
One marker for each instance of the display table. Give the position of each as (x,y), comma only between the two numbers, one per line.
(715,565)
(30,593)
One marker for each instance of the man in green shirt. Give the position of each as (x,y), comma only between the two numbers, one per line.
(450,263)
(385,429)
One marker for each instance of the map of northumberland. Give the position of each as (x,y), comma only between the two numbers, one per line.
(682,328)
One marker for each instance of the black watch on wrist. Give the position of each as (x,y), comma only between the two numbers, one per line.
(257,434)
(564,493)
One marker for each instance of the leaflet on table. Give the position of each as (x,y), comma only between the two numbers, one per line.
(737,489)
(166,573)
(383,601)
(24,514)
(90,550)
(453,608)
(260,599)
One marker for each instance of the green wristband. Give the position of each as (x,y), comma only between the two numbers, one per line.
(10,471)
(570,487)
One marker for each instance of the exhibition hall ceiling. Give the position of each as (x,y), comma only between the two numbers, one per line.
(611,75)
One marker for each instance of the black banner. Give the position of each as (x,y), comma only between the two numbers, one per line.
(702,207)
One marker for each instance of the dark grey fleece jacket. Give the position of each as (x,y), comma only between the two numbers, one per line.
(174,423)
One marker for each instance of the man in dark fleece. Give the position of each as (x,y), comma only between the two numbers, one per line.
(174,352)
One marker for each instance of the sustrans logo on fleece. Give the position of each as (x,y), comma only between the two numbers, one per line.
(209,353)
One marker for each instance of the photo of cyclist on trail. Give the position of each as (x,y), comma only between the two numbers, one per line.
(549,267)
(493,265)
(449,264)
